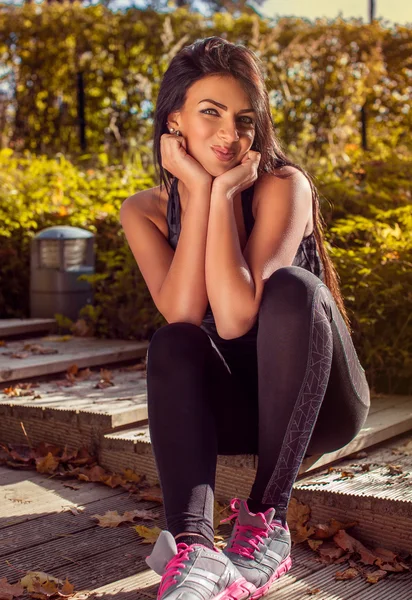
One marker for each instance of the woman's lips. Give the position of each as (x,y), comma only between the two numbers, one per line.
(223,156)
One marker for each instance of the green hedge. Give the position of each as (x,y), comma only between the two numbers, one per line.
(369,235)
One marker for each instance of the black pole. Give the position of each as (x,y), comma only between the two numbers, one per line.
(364,115)
(80,110)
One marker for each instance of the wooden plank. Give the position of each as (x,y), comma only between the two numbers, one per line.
(22,326)
(83,352)
(74,549)
(379,426)
(122,403)
(64,524)
(31,498)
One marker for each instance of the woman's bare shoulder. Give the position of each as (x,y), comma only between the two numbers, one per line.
(151,203)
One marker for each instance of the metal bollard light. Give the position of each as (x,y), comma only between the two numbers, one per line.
(58,256)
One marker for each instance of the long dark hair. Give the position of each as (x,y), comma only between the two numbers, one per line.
(217,56)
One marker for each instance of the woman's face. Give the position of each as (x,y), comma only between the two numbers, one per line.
(204,124)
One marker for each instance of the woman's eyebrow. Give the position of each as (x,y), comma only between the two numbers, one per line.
(245,110)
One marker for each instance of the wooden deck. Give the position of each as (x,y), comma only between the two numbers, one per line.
(45,526)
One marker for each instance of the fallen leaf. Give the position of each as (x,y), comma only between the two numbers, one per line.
(376,576)
(71,486)
(34,578)
(131,476)
(149,535)
(314,544)
(151,494)
(347,574)
(47,464)
(324,531)
(9,590)
(347,542)
(67,589)
(110,519)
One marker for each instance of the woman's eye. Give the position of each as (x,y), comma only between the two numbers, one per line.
(249,122)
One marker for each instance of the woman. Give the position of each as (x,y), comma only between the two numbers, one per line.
(257,355)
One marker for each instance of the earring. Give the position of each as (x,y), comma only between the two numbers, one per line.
(173,130)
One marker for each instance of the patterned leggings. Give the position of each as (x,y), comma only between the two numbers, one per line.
(299,389)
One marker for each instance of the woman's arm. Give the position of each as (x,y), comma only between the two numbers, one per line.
(183,292)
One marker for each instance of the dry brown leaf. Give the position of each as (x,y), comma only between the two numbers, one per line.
(347,574)
(324,531)
(9,590)
(349,543)
(329,552)
(67,589)
(131,476)
(96,473)
(84,374)
(149,534)
(151,494)
(375,576)
(113,480)
(33,579)
(71,486)
(47,464)
(314,544)
(112,518)
(395,469)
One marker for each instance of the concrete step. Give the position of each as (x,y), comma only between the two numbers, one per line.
(14,327)
(34,357)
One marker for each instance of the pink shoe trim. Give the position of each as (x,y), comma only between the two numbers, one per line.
(281,570)
(238,590)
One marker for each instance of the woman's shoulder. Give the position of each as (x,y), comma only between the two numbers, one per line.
(152,203)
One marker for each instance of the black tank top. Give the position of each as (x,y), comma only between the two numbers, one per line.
(307,255)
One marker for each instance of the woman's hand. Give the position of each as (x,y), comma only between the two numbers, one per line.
(240,177)
(178,162)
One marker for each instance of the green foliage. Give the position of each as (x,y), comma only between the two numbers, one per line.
(35,193)
(319,75)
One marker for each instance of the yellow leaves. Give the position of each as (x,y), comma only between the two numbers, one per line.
(33,579)
(41,586)
(47,464)
(149,535)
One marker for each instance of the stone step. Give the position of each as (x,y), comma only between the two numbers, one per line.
(12,327)
(34,357)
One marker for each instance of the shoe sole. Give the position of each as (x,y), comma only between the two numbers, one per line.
(281,570)
(239,590)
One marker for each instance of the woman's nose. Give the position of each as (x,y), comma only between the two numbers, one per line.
(229,132)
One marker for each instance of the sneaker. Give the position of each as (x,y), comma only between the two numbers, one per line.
(259,546)
(195,572)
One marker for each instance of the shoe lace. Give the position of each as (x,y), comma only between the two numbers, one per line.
(173,567)
(255,535)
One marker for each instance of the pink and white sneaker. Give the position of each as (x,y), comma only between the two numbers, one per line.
(259,546)
(195,572)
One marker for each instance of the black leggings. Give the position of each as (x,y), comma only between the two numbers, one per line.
(299,389)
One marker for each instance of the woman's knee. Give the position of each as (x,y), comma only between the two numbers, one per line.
(176,341)
(290,287)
